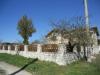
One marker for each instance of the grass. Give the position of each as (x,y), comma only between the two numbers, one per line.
(50,68)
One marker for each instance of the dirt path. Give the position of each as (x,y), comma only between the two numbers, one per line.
(10,69)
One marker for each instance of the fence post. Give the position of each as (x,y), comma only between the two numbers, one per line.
(3,47)
(9,48)
(61,48)
(16,49)
(39,48)
(60,54)
(25,48)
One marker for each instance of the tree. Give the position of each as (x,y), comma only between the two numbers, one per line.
(25,28)
(65,29)
(76,32)
(83,35)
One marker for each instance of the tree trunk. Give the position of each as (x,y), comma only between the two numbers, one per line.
(78,50)
(26,41)
(85,57)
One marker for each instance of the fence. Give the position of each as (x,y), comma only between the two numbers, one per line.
(12,47)
(48,52)
(21,48)
(1,47)
(32,48)
(49,48)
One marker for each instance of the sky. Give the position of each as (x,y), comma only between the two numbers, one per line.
(42,12)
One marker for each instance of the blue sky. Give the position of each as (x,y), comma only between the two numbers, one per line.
(42,12)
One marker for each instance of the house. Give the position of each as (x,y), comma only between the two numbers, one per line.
(95,35)
(54,37)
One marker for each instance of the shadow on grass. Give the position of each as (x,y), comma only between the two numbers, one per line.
(33,61)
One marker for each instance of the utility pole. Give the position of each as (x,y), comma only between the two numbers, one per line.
(86,13)
(86,18)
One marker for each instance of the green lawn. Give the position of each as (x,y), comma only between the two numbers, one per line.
(49,68)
